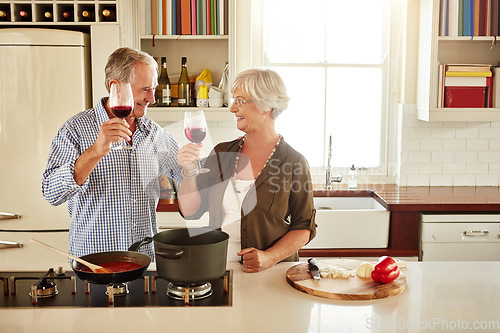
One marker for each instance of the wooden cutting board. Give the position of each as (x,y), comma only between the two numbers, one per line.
(353,288)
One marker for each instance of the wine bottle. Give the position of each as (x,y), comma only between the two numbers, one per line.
(163,96)
(184,89)
(67,15)
(108,15)
(88,15)
(24,15)
(3,15)
(47,16)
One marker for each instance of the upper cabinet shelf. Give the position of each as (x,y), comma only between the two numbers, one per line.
(184,37)
(435,50)
(203,51)
(58,12)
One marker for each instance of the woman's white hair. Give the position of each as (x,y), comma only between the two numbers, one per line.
(265,87)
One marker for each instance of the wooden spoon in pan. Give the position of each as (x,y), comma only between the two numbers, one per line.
(95,268)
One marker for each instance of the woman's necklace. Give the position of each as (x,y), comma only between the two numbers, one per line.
(236,161)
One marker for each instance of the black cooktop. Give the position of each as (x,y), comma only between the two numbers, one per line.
(148,291)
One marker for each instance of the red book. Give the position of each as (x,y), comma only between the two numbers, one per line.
(464,97)
(186,17)
(209,18)
(164,16)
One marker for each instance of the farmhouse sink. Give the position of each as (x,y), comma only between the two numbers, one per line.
(350,222)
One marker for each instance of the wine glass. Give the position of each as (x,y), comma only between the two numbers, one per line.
(195,128)
(121,102)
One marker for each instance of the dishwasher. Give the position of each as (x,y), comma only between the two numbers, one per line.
(460,237)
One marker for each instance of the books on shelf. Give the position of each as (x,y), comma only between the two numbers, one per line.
(469,18)
(464,97)
(186,17)
(466,86)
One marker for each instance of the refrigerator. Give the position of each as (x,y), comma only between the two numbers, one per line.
(45,79)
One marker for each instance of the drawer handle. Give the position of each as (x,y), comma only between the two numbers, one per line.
(476,233)
(7,216)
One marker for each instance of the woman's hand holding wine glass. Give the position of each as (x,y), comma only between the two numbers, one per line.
(121,102)
(195,128)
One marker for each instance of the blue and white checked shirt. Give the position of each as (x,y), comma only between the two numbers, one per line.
(116,206)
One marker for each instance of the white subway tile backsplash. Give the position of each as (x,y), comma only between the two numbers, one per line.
(419,156)
(476,168)
(410,168)
(411,144)
(489,133)
(466,156)
(418,180)
(488,156)
(494,144)
(441,180)
(430,168)
(470,132)
(453,168)
(487,180)
(443,133)
(477,144)
(454,144)
(431,144)
(449,153)
(419,132)
(464,180)
(494,169)
(443,156)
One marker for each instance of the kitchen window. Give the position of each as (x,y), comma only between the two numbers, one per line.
(335,58)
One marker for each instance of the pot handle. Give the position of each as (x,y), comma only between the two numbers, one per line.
(172,253)
(135,247)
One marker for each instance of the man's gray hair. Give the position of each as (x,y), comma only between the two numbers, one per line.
(121,64)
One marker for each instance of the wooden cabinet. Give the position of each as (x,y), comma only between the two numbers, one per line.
(58,12)
(203,52)
(434,50)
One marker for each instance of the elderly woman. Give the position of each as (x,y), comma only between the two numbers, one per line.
(259,188)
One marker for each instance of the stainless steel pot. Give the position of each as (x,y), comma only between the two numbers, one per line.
(183,258)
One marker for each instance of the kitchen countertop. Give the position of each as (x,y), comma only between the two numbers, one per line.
(439,297)
(424,198)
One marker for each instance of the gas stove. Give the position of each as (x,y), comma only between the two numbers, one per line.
(56,288)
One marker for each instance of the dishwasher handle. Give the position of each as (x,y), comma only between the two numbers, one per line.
(476,233)
(8,216)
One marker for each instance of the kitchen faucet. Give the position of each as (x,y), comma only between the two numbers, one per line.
(329,177)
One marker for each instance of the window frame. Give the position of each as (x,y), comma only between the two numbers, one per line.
(392,78)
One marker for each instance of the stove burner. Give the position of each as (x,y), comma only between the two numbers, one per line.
(119,289)
(69,291)
(194,291)
(44,288)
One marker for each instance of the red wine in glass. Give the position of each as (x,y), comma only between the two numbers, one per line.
(121,103)
(195,134)
(195,129)
(121,111)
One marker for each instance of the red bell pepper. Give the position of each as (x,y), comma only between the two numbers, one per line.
(386,270)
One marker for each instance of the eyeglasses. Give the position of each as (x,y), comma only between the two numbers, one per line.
(239,102)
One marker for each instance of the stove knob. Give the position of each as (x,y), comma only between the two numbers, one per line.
(60,271)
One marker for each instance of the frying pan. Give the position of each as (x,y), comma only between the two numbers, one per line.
(130,256)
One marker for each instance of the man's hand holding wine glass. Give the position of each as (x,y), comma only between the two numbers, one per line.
(111,132)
